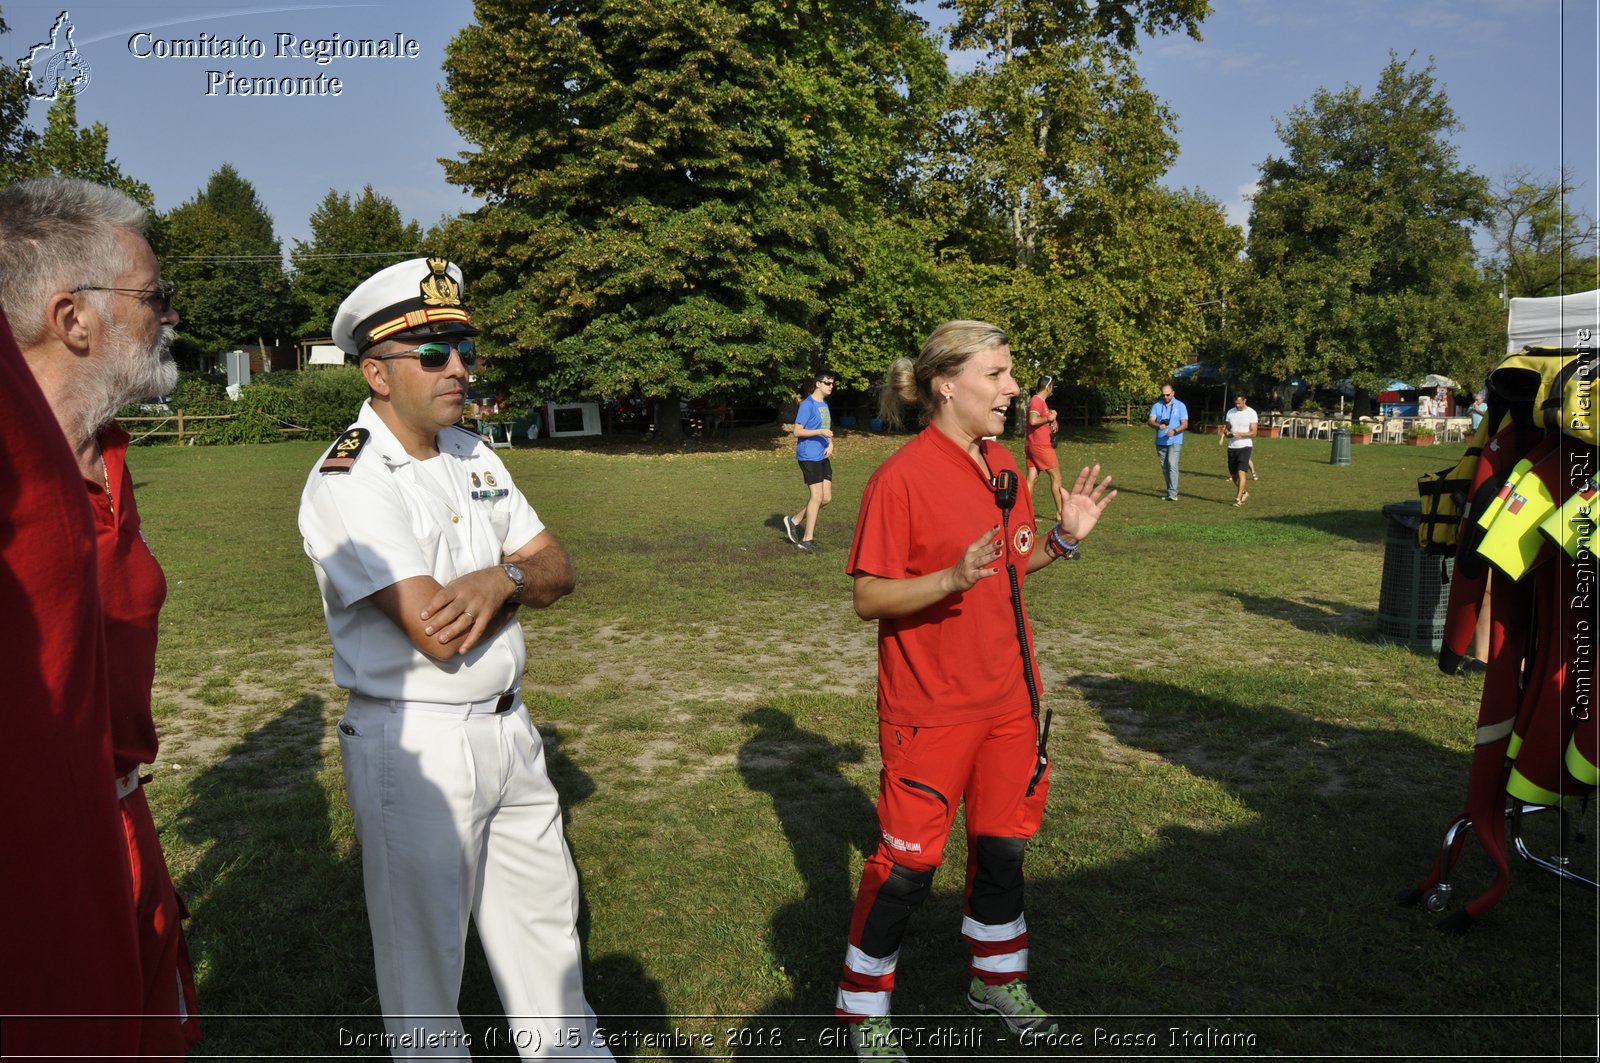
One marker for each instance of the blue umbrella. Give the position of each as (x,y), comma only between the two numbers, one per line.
(1398,385)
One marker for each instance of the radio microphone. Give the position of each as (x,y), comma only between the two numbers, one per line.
(1005,490)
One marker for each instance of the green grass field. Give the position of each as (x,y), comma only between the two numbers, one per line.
(1243,778)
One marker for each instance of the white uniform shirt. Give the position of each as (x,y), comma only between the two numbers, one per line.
(391,517)
(1239,422)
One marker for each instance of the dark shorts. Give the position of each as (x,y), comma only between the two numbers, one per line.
(816,471)
(1238,460)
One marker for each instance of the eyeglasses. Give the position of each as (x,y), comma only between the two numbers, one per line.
(159,297)
(436,355)
(826,383)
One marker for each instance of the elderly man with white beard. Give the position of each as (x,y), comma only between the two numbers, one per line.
(94,322)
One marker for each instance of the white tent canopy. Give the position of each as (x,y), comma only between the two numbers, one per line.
(1558,321)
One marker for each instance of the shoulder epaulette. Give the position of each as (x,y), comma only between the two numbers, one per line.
(345,451)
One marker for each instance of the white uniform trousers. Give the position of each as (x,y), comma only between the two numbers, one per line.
(456,814)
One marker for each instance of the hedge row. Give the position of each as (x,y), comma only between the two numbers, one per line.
(323,401)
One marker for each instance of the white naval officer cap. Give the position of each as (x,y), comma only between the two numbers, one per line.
(415,299)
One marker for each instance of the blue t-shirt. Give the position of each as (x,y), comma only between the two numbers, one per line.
(1175,415)
(813,415)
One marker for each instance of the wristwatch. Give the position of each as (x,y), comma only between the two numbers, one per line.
(516,577)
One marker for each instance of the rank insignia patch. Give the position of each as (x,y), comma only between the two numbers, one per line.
(345,451)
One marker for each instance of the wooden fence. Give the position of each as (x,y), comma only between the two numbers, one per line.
(181,425)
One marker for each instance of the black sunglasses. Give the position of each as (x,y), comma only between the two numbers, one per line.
(436,355)
(159,297)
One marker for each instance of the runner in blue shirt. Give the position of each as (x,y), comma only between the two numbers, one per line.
(813,449)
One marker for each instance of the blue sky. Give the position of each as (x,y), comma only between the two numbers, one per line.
(1521,75)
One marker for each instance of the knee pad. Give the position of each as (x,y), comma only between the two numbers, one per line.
(907,887)
(996,894)
(902,892)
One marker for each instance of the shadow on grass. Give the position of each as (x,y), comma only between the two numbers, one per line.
(827,821)
(262,818)
(1360,525)
(1290,910)
(273,880)
(1093,434)
(1316,615)
(1259,908)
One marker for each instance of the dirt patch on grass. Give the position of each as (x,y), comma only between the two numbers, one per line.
(205,719)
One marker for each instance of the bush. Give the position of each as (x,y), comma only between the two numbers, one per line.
(328,399)
(249,424)
(200,394)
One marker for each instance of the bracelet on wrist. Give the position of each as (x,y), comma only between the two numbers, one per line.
(1057,546)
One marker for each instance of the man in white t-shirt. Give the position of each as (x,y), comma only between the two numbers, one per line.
(1242,422)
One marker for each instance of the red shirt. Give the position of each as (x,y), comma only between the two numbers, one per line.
(132,589)
(1038,437)
(957,660)
(71,945)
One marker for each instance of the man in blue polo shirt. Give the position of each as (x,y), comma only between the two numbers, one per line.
(1169,417)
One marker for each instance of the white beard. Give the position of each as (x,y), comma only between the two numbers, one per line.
(127,371)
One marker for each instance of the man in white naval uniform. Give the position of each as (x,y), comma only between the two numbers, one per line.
(423,550)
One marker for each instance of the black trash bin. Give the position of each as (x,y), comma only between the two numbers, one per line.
(1416,585)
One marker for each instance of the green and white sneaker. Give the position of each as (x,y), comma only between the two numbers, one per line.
(1012,1004)
(876,1038)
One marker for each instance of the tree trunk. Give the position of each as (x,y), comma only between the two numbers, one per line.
(669,423)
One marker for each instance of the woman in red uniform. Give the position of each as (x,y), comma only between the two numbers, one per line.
(1039,446)
(935,561)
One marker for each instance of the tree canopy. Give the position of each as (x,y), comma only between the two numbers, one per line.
(1046,172)
(706,196)
(16,139)
(642,230)
(1361,262)
(350,240)
(220,249)
(1543,245)
(67,150)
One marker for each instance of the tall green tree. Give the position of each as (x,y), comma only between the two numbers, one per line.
(1046,174)
(671,185)
(350,240)
(1055,118)
(1112,307)
(1544,245)
(895,293)
(1360,248)
(67,150)
(220,249)
(16,139)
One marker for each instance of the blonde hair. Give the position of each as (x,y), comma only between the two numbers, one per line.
(910,382)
